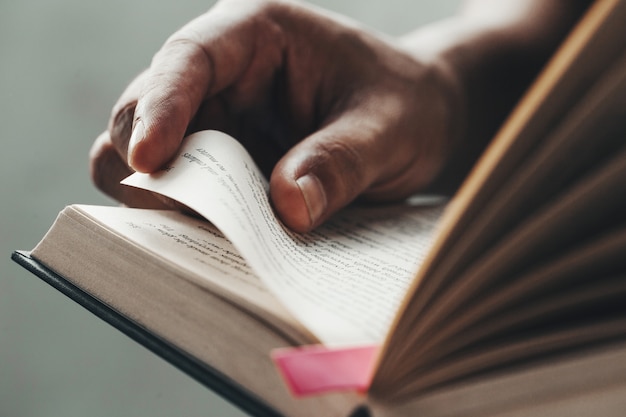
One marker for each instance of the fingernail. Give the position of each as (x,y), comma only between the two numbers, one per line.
(136,137)
(314,196)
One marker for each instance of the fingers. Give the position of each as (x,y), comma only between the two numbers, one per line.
(315,178)
(108,169)
(211,53)
(250,67)
(121,120)
(327,171)
(375,150)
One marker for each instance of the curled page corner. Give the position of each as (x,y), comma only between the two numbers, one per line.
(318,369)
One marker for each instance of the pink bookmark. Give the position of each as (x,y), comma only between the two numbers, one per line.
(317,369)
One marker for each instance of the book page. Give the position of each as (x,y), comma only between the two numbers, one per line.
(128,243)
(567,383)
(551,288)
(206,255)
(343,281)
(594,45)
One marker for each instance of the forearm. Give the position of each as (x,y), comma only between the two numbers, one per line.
(488,54)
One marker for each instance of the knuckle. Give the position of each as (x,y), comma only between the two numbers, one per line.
(181,60)
(121,124)
(187,40)
(270,7)
(345,166)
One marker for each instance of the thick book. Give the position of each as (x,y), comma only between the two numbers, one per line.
(508,299)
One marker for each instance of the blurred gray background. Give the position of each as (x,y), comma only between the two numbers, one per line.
(63,63)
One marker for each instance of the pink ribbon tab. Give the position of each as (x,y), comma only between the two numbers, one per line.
(318,369)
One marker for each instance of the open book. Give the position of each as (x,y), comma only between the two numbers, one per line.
(516,281)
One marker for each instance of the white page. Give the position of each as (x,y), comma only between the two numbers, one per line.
(191,244)
(344,281)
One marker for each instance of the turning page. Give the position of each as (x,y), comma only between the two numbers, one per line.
(344,281)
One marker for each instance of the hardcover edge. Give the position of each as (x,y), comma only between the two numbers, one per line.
(211,378)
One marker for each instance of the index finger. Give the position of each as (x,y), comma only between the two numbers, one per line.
(204,57)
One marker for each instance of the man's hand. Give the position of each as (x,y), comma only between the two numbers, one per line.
(328,109)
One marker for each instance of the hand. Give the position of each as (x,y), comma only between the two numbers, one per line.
(328,109)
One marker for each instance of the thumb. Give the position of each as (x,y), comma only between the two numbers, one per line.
(323,173)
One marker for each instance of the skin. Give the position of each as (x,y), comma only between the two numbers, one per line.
(329,109)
